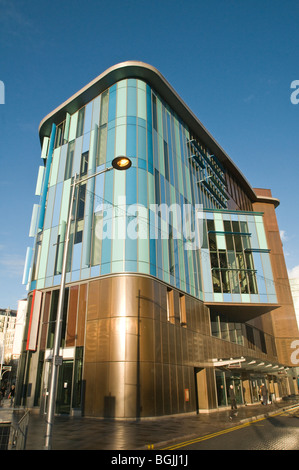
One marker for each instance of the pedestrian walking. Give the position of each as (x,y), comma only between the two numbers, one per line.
(264,394)
(11,395)
(233,402)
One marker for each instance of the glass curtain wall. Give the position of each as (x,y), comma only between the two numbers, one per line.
(136,221)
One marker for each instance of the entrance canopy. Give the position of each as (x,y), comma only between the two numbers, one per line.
(250,364)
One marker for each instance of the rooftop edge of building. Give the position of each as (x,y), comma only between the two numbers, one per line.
(144,71)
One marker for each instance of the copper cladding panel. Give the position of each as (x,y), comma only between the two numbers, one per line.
(143,357)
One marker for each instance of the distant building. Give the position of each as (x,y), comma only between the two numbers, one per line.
(7,333)
(19,329)
(176,283)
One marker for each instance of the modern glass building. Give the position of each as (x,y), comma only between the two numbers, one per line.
(176,284)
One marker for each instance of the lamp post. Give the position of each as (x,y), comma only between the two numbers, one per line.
(119,163)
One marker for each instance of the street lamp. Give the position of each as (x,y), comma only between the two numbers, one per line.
(119,163)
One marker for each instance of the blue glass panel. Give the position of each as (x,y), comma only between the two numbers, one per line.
(149,127)
(206,272)
(27,266)
(62,161)
(173,152)
(76,256)
(57,205)
(132,103)
(46,179)
(87,120)
(152,243)
(162,191)
(150,151)
(94,271)
(227,298)
(110,146)
(77,156)
(268,274)
(105,269)
(131,266)
(167,192)
(186,268)
(254,237)
(132,120)
(50,205)
(96,112)
(106,242)
(106,251)
(88,219)
(112,103)
(86,141)
(171,170)
(131,140)
(260,274)
(153,257)
(176,261)
(75,276)
(111,124)
(149,107)
(157,187)
(99,190)
(156,150)
(131,186)
(141,142)
(159,253)
(142,187)
(130,251)
(141,164)
(52,252)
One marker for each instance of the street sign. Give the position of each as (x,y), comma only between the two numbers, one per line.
(236,365)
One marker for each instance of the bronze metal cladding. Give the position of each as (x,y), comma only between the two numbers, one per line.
(139,363)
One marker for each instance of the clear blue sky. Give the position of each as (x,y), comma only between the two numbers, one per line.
(232,62)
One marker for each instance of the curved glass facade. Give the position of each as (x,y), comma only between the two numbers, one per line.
(152,219)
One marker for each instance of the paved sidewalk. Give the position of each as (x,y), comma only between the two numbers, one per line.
(77,433)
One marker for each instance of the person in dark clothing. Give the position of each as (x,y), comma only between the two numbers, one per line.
(12,395)
(233,402)
(264,394)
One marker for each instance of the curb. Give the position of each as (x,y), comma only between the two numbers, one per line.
(160,445)
(266,415)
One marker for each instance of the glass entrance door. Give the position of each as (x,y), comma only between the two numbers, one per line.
(237,384)
(64,388)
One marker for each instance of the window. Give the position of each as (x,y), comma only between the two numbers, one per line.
(84,164)
(102,145)
(215,325)
(224,329)
(183,316)
(250,337)
(102,137)
(69,160)
(59,137)
(263,342)
(80,123)
(154,112)
(170,306)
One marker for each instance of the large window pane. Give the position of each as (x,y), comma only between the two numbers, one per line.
(80,123)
